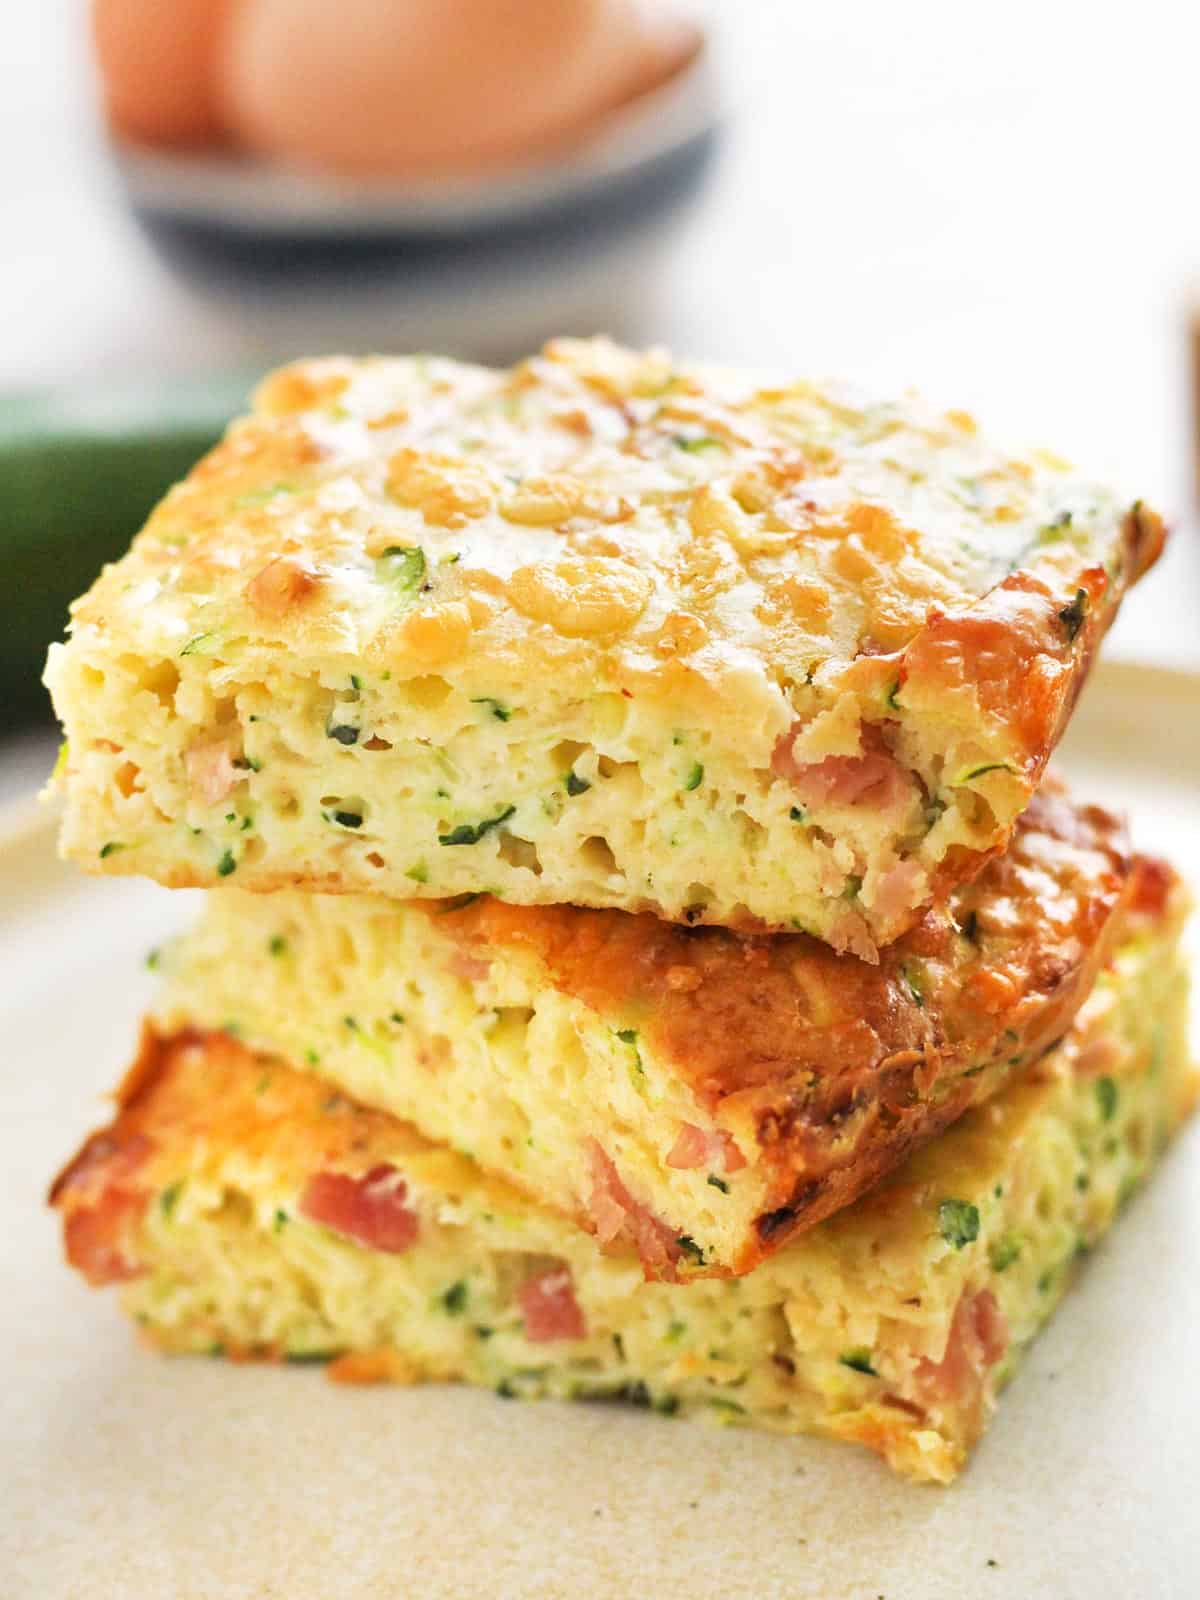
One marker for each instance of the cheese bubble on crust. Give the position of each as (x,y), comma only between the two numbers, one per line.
(247,1210)
(696,1094)
(600,630)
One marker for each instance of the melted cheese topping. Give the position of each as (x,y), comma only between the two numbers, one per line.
(595,510)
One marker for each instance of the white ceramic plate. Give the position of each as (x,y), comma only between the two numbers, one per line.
(126,1474)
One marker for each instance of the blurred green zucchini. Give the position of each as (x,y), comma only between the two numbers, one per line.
(80,469)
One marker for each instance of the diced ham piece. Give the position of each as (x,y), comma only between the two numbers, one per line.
(734,1159)
(614,1211)
(102,1206)
(464,965)
(370,1210)
(1152,884)
(848,934)
(695,1148)
(978,1339)
(899,889)
(550,1309)
(211,772)
(96,1238)
(874,778)
(608,1214)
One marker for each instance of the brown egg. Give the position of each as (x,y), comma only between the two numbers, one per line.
(408,87)
(158,65)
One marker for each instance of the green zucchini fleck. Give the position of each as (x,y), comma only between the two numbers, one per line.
(637,1072)
(690,1248)
(277,944)
(969,774)
(798,814)
(697,443)
(718,1183)
(226,865)
(460,902)
(858,1360)
(473,832)
(722,1402)
(575,784)
(958,1222)
(1106,1097)
(110,849)
(348,819)
(168,1197)
(402,567)
(279,1223)
(912,982)
(201,644)
(419,873)
(500,711)
(342,732)
(1004,1251)
(1054,530)
(455,1298)
(695,776)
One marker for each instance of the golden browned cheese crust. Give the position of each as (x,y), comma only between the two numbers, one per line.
(618,631)
(831,1069)
(160,1101)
